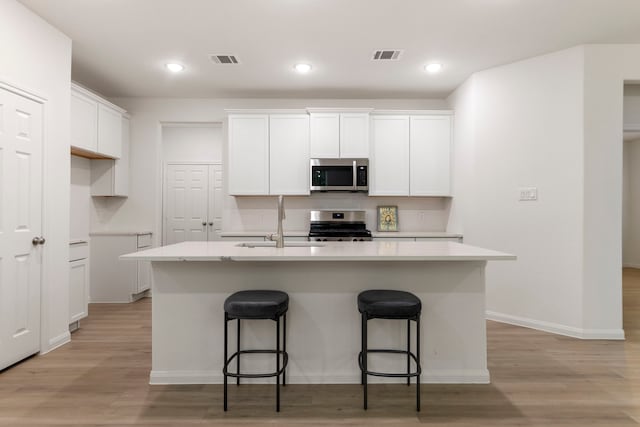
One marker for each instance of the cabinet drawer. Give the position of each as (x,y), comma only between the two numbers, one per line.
(144,240)
(79,250)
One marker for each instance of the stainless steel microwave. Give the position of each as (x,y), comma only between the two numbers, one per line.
(340,175)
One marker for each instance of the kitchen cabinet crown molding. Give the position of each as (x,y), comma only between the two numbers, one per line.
(413,112)
(86,92)
(266,111)
(311,110)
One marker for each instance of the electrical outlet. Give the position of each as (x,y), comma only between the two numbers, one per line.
(528,193)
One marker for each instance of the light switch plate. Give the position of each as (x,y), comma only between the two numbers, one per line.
(528,193)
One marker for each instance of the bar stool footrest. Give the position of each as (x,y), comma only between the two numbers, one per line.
(285,361)
(390,374)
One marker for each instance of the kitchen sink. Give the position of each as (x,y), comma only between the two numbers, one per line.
(286,245)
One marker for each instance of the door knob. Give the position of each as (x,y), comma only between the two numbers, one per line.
(38,241)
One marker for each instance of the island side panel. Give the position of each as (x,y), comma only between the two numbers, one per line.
(323,335)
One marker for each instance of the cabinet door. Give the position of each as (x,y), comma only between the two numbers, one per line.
(248,154)
(111,177)
(324,135)
(84,122)
(430,155)
(289,154)
(144,276)
(121,166)
(109,132)
(78,290)
(354,135)
(389,174)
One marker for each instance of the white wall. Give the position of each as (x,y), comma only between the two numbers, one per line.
(626,205)
(606,69)
(631,181)
(556,120)
(520,125)
(36,57)
(80,198)
(631,113)
(631,205)
(192,143)
(142,210)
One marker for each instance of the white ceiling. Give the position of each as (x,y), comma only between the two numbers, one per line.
(120,46)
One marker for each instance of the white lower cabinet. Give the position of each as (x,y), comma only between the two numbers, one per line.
(78,281)
(114,280)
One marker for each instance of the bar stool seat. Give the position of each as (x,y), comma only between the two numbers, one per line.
(390,304)
(257,304)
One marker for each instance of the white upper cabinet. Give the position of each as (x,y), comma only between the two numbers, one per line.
(248,153)
(336,134)
(111,177)
(289,154)
(354,135)
(109,132)
(389,162)
(84,122)
(429,148)
(411,154)
(96,125)
(325,135)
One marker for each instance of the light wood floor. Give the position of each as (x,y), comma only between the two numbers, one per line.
(538,379)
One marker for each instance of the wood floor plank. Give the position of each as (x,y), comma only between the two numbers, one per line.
(538,379)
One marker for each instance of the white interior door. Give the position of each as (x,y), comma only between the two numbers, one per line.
(186,203)
(20,223)
(215,202)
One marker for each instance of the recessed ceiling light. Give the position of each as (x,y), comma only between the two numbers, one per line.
(174,67)
(433,68)
(303,68)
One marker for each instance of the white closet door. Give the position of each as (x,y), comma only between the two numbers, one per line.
(215,202)
(186,203)
(20,222)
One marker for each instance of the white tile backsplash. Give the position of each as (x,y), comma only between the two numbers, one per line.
(259,213)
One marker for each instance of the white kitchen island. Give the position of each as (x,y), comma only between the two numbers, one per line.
(192,279)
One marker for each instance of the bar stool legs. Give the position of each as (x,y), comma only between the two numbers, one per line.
(257,305)
(392,305)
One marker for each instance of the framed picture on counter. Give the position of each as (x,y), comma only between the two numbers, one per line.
(387,218)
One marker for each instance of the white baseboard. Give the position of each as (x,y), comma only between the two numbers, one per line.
(457,376)
(630,265)
(58,341)
(556,328)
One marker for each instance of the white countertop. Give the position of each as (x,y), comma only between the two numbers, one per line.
(329,251)
(262,233)
(120,233)
(376,234)
(392,234)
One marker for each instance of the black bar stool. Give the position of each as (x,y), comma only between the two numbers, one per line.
(390,304)
(270,305)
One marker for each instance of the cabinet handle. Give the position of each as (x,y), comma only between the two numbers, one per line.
(38,241)
(204,224)
(210,224)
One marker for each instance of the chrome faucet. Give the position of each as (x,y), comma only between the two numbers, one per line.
(279,236)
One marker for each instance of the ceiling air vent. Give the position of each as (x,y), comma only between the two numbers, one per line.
(387,55)
(225,59)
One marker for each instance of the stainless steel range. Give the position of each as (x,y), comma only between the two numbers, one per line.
(340,226)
